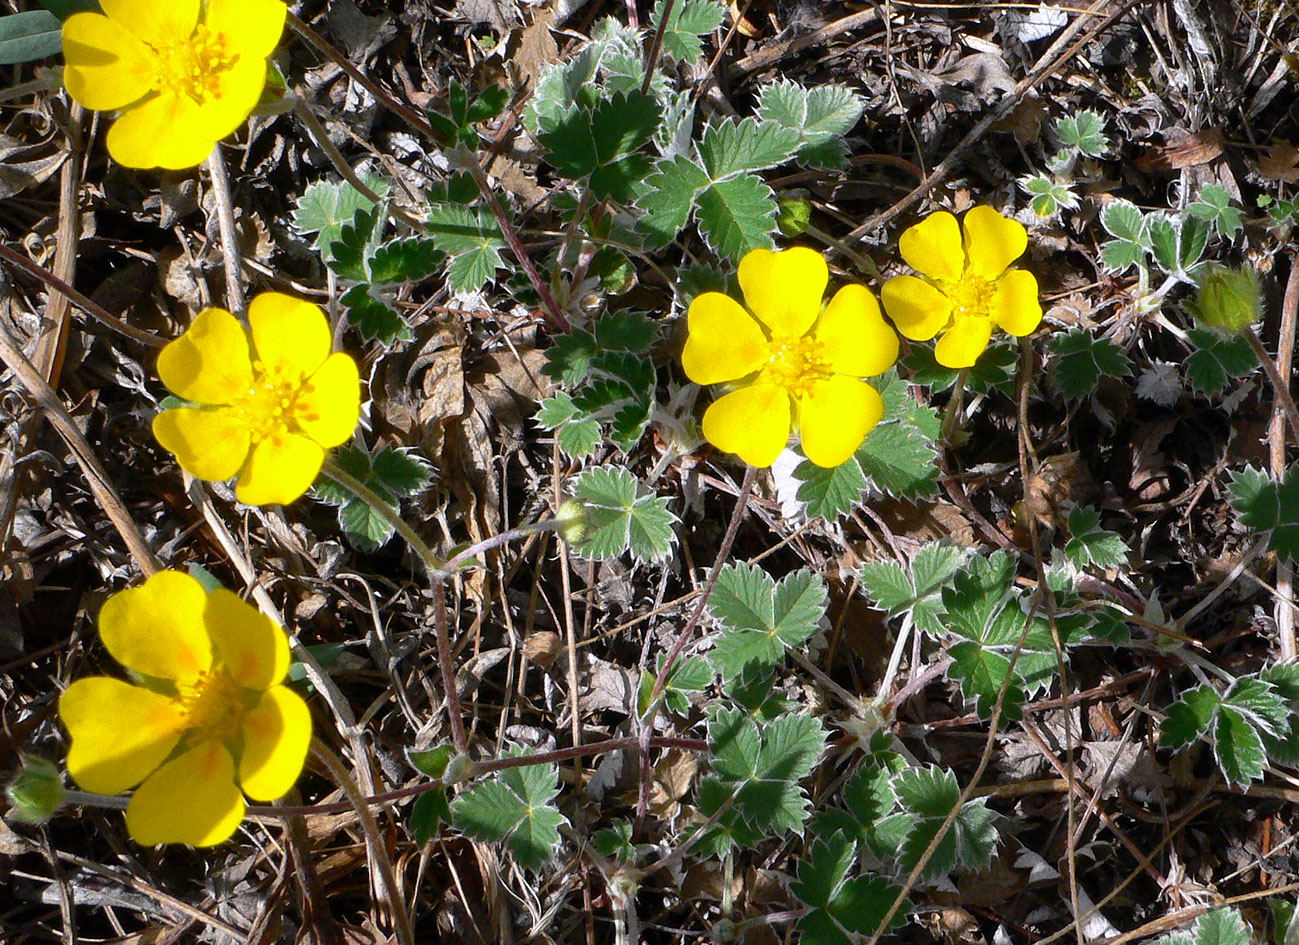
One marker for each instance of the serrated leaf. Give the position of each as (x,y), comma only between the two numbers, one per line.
(620,519)
(687,22)
(918,591)
(1163,241)
(1237,747)
(324,207)
(928,796)
(760,618)
(1284,677)
(372,317)
(927,792)
(517,807)
(399,472)
(1084,132)
(842,909)
(1270,507)
(615,842)
(430,810)
(405,260)
(821,116)
(365,528)
(1213,205)
(1123,220)
(473,241)
(1260,704)
(668,198)
(349,255)
(729,148)
(1081,361)
(1216,360)
(1091,544)
(995,370)
(737,215)
(625,331)
(830,492)
(763,768)
(1118,255)
(599,143)
(568,359)
(898,456)
(1189,717)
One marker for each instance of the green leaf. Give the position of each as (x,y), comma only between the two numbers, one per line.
(995,370)
(1237,747)
(1216,360)
(430,811)
(432,762)
(764,766)
(1270,507)
(615,842)
(737,215)
(365,528)
(405,260)
(1125,222)
(1214,207)
(392,473)
(1189,717)
(620,518)
(517,807)
(899,456)
(1284,678)
(1260,704)
(1163,240)
(760,618)
(473,241)
(65,8)
(830,492)
(821,116)
(324,207)
(578,435)
(928,795)
(919,589)
(25,37)
(1092,544)
(688,675)
(568,359)
(625,331)
(599,143)
(1081,361)
(1084,133)
(842,909)
(729,148)
(372,317)
(349,255)
(399,472)
(668,198)
(1050,195)
(688,21)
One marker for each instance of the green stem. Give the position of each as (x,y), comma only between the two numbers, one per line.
(388,514)
(954,406)
(1279,384)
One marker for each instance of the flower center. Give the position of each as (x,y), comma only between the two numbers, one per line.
(796,364)
(972,295)
(269,408)
(193,67)
(214,705)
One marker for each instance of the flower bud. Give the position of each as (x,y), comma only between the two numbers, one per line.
(36,791)
(572,521)
(1228,299)
(794,216)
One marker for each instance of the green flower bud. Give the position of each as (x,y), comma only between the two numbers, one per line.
(573,521)
(36,791)
(794,216)
(1228,299)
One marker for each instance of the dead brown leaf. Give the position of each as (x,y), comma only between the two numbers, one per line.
(1281,163)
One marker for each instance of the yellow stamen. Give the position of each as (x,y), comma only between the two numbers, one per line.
(972,295)
(796,364)
(193,67)
(214,705)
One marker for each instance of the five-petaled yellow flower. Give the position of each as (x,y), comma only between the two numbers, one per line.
(967,285)
(266,403)
(185,73)
(800,366)
(212,717)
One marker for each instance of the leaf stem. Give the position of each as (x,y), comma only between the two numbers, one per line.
(952,415)
(1279,384)
(390,515)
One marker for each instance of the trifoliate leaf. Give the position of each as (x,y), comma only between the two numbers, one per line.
(842,909)
(568,359)
(687,22)
(899,457)
(1124,221)
(392,473)
(324,207)
(600,143)
(1213,205)
(995,370)
(620,518)
(737,215)
(372,317)
(517,806)
(928,795)
(615,842)
(472,239)
(1270,507)
(1189,717)
(1216,360)
(821,116)
(760,618)
(917,590)
(1080,361)
(1084,132)
(405,260)
(765,765)
(1092,545)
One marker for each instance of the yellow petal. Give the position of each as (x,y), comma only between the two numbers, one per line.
(209,363)
(933,247)
(784,289)
(291,337)
(854,337)
(251,646)
(157,628)
(251,28)
(835,417)
(236,93)
(191,799)
(918,309)
(157,22)
(992,242)
(164,131)
(277,733)
(120,733)
(1016,308)
(280,469)
(752,422)
(105,66)
(208,444)
(329,402)
(962,344)
(724,342)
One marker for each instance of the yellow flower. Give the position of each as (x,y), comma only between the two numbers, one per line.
(799,366)
(184,73)
(212,719)
(267,420)
(968,285)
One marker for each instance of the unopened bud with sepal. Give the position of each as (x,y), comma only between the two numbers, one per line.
(1228,299)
